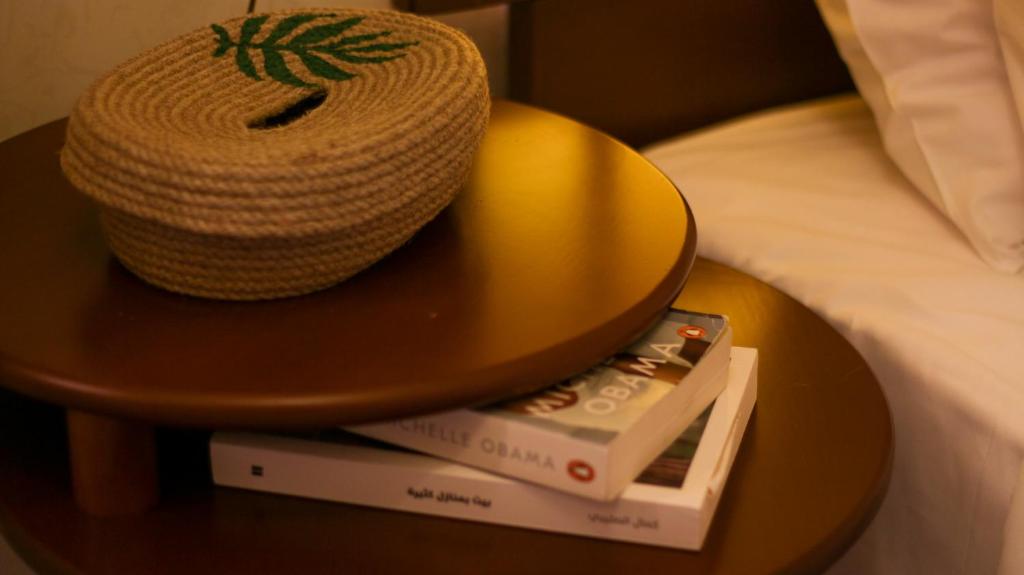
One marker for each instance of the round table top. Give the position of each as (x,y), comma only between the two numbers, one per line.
(564,246)
(809,475)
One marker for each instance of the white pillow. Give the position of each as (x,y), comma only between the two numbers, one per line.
(933,73)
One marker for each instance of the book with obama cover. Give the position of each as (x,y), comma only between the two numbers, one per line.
(594,433)
(670,504)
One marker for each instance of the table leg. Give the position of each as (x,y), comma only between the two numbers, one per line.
(113,464)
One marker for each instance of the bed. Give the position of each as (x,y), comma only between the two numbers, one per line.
(748,107)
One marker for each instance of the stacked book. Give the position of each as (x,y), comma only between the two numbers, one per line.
(636,449)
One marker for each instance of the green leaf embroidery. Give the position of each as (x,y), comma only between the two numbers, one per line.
(356,59)
(323,68)
(278,70)
(380,47)
(308,46)
(324,32)
(251,28)
(245,64)
(343,52)
(286,26)
(223,41)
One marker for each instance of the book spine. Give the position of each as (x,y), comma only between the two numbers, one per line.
(674,413)
(725,442)
(508,448)
(422,485)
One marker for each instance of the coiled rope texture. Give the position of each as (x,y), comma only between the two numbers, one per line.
(195,200)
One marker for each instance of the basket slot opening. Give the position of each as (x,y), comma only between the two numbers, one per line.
(292,112)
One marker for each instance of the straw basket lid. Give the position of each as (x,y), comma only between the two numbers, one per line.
(278,154)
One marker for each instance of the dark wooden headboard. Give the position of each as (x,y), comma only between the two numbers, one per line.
(643,70)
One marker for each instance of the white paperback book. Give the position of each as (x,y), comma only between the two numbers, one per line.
(593,434)
(671,504)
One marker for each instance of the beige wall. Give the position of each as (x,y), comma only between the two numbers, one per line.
(50,50)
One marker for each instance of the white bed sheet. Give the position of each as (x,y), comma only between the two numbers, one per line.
(805,199)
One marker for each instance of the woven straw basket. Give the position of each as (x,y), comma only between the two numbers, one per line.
(279,154)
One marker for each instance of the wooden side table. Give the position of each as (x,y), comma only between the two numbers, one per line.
(810,474)
(563,247)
